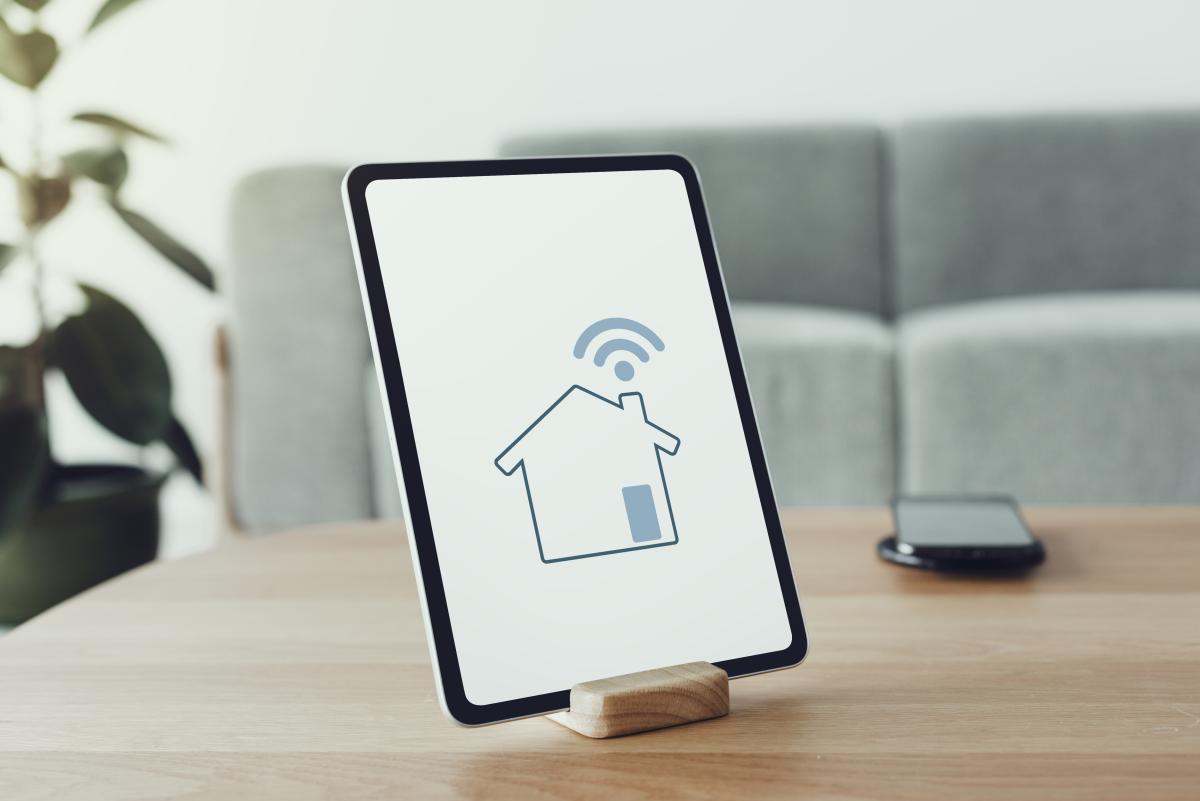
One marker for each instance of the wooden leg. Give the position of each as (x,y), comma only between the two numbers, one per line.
(652,699)
(219,475)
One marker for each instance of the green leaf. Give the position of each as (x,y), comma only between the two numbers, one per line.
(117,125)
(168,246)
(107,11)
(43,199)
(33,5)
(23,461)
(177,439)
(12,61)
(7,254)
(26,58)
(42,52)
(115,369)
(104,165)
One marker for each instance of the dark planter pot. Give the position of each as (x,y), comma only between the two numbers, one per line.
(97,522)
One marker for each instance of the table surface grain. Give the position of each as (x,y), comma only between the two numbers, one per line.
(294,667)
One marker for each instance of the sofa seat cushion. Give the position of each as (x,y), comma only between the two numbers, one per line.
(1064,399)
(821,382)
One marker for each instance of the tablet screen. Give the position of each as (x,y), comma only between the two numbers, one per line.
(589,483)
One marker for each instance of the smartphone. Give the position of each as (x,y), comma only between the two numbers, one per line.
(960,532)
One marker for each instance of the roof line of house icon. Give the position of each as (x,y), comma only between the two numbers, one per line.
(666,443)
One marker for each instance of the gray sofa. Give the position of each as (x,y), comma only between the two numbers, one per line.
(1003,305)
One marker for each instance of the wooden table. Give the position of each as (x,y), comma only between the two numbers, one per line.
(294,667)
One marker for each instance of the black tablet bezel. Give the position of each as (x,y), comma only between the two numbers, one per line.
(441,630)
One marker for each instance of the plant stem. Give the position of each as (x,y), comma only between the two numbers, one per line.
(35,258)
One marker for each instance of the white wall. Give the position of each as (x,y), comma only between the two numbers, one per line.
(241,84)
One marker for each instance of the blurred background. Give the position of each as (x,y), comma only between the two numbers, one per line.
(1091,98)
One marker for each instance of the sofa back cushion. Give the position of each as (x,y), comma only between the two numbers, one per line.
(796,213)
(1020,206)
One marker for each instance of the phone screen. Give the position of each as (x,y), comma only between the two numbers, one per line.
(941,523)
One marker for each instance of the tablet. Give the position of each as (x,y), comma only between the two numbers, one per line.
(584,487)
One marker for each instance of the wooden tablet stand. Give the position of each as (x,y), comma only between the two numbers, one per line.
(651,699)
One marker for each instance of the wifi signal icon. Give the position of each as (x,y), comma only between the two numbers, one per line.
(623,369)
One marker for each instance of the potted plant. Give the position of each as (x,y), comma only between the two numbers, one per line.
(64,528)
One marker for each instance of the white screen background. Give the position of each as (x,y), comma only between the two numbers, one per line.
(489,281)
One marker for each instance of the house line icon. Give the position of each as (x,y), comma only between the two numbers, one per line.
(593,475)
